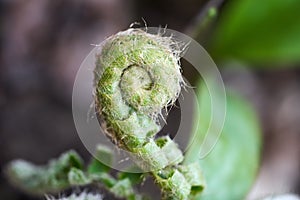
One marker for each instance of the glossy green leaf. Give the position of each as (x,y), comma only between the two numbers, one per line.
(230,168)
(259,32)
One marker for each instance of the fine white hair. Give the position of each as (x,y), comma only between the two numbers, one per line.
(81,196)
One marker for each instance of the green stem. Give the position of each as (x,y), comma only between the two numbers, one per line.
(202,23)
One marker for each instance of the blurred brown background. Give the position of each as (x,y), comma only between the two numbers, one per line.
(43,43)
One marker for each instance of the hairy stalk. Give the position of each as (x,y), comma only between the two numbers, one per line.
(137,75)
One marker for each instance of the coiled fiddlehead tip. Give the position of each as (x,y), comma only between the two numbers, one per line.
(137,75)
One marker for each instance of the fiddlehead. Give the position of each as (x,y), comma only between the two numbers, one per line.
(137,75)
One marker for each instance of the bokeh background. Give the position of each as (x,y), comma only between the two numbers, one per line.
(43,42)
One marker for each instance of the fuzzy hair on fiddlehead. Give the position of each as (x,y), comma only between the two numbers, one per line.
(137,75)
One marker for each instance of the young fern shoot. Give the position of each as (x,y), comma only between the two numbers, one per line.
(137,75)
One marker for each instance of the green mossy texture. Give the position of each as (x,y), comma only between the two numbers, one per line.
(137,75)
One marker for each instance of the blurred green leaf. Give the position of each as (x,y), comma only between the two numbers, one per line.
(135,178)
(122,188)
(104,178)
(78,177)
(67,171)
(230,169)
(259,32)
(44,179)
(103,154)
(194,175)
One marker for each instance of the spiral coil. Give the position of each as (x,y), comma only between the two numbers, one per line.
(137,75)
